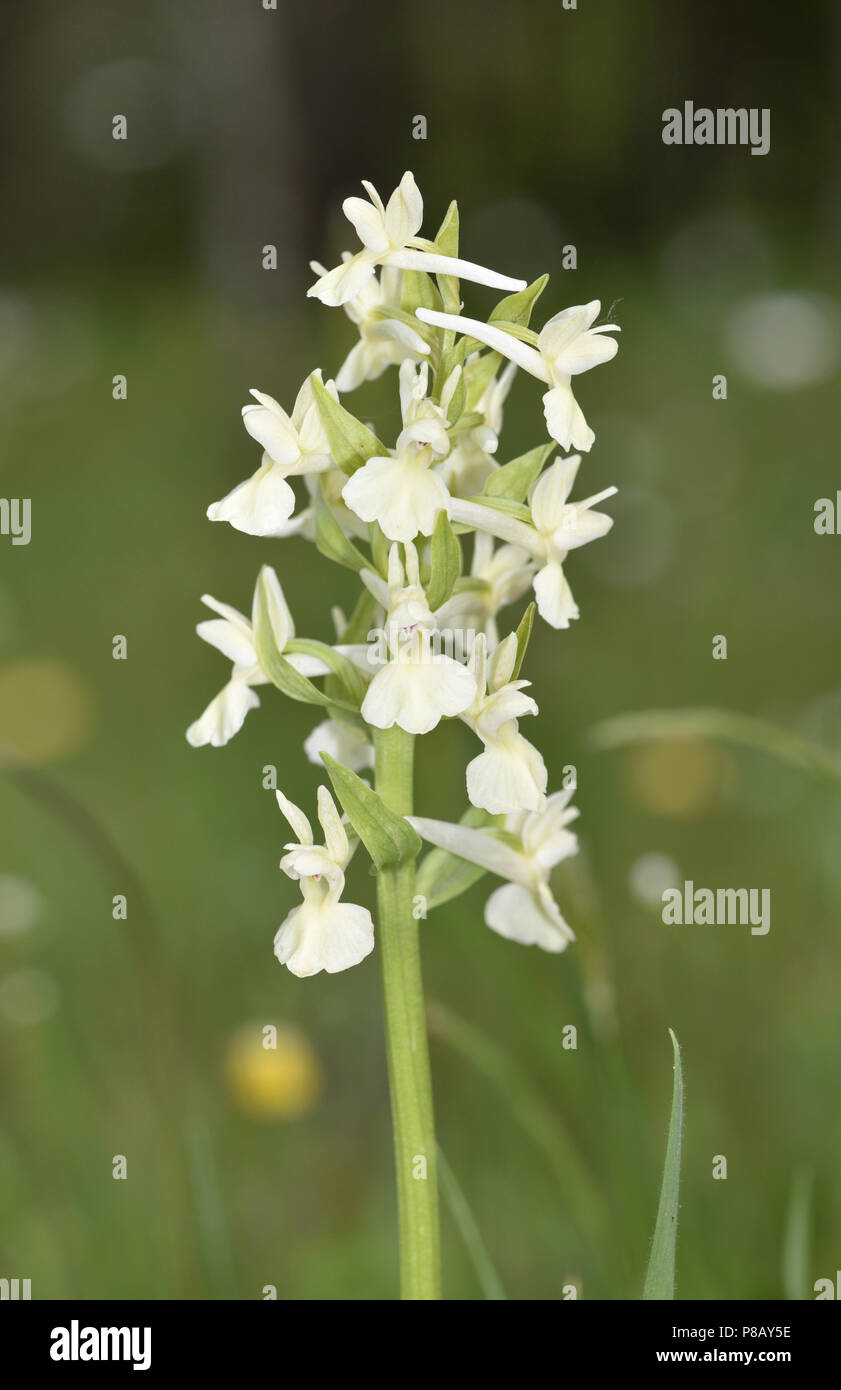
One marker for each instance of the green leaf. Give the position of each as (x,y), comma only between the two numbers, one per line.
(478,375)
(447,237)
(445,561)
(423,330)
(514,479)
(523,634)
(458,403)
(418,290)
(380,546)
(447,243)
(517,308)
(443,875)
(660,1279)
(469,583)
(331,540)
(504,504)
(388,838)
(359,622)
(352,679)
(280,671)
(351,442)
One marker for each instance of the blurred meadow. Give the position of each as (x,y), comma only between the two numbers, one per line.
(142,1038)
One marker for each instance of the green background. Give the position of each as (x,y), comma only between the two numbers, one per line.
(246,128)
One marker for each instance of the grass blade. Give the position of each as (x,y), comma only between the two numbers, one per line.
(725,726)
(459,1207)
(585,1200)
(797,1241)
(660,1279)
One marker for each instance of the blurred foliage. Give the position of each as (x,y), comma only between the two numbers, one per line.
(117,1038)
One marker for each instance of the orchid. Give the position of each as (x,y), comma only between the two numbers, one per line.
(389,235)
(264,503)
(402,492)
(323,933)
(415,688)
(342,743)
(470,462)
(233,635)
(524,909)
(383,342)
(555,526)
(499,578)
(437,538)
(510,775)
(566,346)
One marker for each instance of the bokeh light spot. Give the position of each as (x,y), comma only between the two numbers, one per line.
(46,710)
(272,1083)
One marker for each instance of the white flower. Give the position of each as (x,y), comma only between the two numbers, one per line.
(415,688)
(524,909)
(389,235)
(340,741)
(503,576)
(401,491)
(470,462)
(264,503)
(323,933)
(233,635)
(510,775)
(557,527)
(566,346)
(383,342)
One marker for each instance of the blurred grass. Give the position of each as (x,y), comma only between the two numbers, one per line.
(220,1204)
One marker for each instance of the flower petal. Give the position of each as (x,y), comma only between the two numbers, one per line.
(269,424)
(345,281)
(526,357)
(368,222)
(551,492)
(404,211)
(565,328)
(515,913)
(341,743)
(261,506)
(402,494)
(231,641)
(509,776)
(555,603)
(327,936)
(224,716)
(416,695)
(477,846)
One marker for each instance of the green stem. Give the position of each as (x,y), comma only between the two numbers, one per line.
(408,1051)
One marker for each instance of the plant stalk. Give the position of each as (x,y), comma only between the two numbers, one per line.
(410,1081)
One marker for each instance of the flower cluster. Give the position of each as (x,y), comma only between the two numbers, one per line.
(443,536)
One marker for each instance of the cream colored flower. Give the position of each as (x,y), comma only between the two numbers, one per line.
(323,933)
(523,909)
(389,236)
(566,346)
(233,635)
(264,503)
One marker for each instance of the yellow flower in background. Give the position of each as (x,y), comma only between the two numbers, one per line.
(678,778)
(272,1072)
(46,710)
